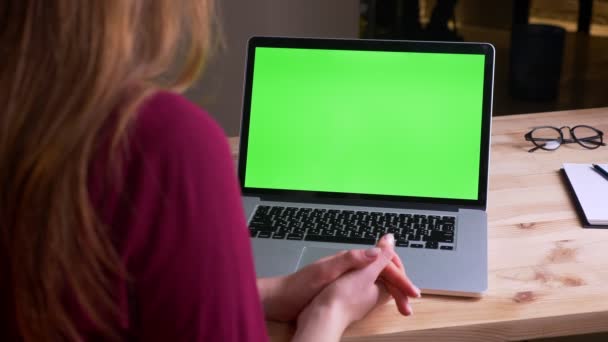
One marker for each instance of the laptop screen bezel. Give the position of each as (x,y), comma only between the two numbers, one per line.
(371,45)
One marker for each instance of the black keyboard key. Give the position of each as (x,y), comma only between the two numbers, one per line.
(309,225)
(292,225)
(403,224)
(376,215)
(427,235)
(367,240)
(447,248)
(447,237)
(263,227)
(342,233)
(438,236)
(262,209)
(264,235)
(400,237)
(373,235)
(348,226)
(341,239)
(259,222)
(323,225)
(332,228)
(405,216)
(402,243)
(275,211)
(414,237)
(431,245)
(392,230)
(358,234)
(298,231)
(368,229)
(393,224)
(293,236)
(450,219)
(390,216)
(316,231)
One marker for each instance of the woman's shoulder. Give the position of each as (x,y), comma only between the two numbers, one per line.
(168,122)
(169,139)
(177,222)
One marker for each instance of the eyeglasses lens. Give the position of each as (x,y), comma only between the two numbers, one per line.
(587,136)
(546,138)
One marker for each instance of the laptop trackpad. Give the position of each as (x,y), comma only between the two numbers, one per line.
(273,259)
(312,254)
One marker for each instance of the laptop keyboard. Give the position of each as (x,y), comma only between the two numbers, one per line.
(347,226)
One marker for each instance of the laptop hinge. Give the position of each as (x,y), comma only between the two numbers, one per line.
(363,202)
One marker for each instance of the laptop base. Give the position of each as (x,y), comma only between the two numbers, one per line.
(458,272)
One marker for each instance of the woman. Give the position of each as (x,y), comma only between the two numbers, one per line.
(120,215)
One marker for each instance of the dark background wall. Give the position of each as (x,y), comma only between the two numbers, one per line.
(584,71)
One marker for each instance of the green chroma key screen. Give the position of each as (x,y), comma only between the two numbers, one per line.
(366,122)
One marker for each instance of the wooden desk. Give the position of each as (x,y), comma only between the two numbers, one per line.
(547,275)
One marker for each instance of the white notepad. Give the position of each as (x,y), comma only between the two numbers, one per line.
(591,189)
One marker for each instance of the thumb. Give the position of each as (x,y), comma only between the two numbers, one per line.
(330,268)
(372,272)
(354,259)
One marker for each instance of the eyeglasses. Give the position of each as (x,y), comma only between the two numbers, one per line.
(551,138)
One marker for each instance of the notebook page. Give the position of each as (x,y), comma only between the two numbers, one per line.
(591,189)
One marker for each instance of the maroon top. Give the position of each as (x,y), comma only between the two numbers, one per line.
(178,224)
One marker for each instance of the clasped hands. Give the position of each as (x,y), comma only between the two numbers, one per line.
(339,289)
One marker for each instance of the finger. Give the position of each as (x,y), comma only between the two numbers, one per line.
(378,295)
(388,241)
(397,261)
(372,272)
(332,267)
(384,294)
(401,300)
(395,273)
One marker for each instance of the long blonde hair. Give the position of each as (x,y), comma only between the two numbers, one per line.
(67,65)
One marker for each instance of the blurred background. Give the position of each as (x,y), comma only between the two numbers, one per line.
(550,54)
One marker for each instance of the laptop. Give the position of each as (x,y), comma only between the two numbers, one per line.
(343,141)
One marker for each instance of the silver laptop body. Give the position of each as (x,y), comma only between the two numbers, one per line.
(442,240)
